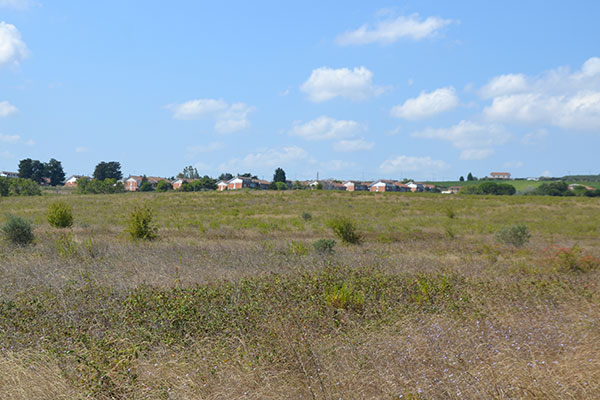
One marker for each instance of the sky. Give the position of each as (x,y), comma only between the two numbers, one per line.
(429,90)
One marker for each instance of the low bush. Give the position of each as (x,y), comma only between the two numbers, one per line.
(140,224)
(324,246)
(572,259)
(18,231)
(298,248)
(345,297)
(514,235)
(59,215)
(306,216)
(346,230)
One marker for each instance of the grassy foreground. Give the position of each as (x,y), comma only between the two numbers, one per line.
(232,301)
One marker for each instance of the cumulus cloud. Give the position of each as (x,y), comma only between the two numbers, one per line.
(475,154)
(7,109)
(353,145)
(427,104)
(560,98)
(327,83)
(473,139)
(391,30)
(268,158)
(15,139)
(12,48)
(228,118)
(411,164)
(326,128)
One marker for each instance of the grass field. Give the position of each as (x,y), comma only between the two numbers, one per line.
(520,185)
(232,301)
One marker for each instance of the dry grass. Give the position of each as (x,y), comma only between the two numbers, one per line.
(222,306)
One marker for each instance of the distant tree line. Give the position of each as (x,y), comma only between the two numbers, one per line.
(19,187)
(38,171)
(492,188)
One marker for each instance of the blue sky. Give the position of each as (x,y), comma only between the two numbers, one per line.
(363,90)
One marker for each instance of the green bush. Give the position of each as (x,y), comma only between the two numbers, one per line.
(306,216)
(17,230)
(345,297)
(24,187)
(140,225)
(146,187)
(346,230)
(163,186)
(59,215)
(324,246)
(515,235)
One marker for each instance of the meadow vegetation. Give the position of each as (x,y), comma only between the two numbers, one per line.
(247,295)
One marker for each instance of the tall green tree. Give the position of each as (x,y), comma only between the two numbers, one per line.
(26,168)
(470,177)
(462,178)
(108,170)
(189,172)
(279,175)
(225,176)
(38,171)
(55,172)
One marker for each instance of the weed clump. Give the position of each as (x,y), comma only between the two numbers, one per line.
(140,225)
(306,216)
(324,246)
(59,215)
(18,231)
(346,230)
(514,235)
(345,297)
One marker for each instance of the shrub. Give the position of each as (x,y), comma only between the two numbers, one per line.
(24,187)
(346,230)
(59,215)
(298,248)
(140,225)
(573,259)
(163,186)
(306,216)
(345,297)
(515,235)
(324,246)
(281,186)
(66,246)
(146,187)
(18,230)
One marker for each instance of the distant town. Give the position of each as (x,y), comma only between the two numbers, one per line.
(108,178)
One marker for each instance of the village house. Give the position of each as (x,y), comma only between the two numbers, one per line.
(356,186)
(500,175)
(327,185)
(242,182)
(572,186)
(8,174)
(384,185)
(415,187)
(72,180)
(134,182)
(452,190)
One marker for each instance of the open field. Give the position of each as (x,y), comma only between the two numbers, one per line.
(232,301)
(520,184)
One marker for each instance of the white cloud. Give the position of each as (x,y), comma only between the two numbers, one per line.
(353,145)
(12,48)
(81,149)
(427,104)
(392,30)
(268,158)
(475,154)
(18,4)
(326,128)
(327,83)
(560,98)
(473,139)
(513,164)
(205,148)
(15,139)
(504,84)
(7,109)
(228,118)
(336,165)
(412,164)
(534,138)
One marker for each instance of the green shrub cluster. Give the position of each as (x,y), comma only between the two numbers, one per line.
(18,231)
(324,246)
(514,235)
(346,230)
(95,186)
(492,188)
(59,215)
(18,187)
(140,224)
